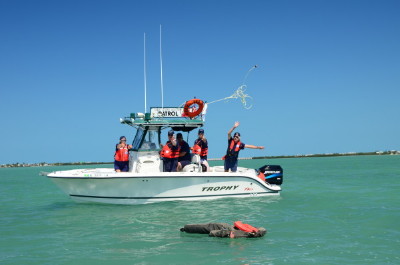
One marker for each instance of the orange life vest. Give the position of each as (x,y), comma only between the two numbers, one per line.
(167,151)
(204,151)
(122,154)
(233,149)
(245,227)
(197,149)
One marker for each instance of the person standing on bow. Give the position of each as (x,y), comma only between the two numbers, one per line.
(121,157)
(170,153)
(234,146)
(200,147)
(184,158)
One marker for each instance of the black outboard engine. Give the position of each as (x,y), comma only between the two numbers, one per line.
(273,174)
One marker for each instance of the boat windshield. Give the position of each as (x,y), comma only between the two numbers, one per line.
(146,140)
(138,138)
(150,142)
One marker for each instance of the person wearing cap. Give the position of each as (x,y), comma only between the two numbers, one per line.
(170,153)
(200,147)
(121,157)
(234,146)
(184,158)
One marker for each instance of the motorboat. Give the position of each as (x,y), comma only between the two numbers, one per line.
(146,181)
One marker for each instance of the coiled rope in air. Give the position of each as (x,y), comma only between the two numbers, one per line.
(240,92)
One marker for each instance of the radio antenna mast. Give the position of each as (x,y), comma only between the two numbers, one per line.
(144,70)
(161,70)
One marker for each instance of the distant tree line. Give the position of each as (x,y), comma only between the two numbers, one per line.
(392,152)
(41,164)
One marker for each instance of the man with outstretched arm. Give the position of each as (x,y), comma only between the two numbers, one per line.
(234,146)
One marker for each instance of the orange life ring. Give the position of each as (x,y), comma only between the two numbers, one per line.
(189,103)
(245,227)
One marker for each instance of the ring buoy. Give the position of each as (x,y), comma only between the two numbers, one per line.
(189,103)
(245,227)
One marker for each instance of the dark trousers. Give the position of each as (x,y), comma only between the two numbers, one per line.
(170,164)
(231,163)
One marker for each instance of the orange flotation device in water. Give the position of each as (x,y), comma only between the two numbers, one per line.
(245,227)
(188,112)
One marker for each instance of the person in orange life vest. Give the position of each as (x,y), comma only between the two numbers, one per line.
(121,157)
(201,148)
(234,146)
(184,158)
(170,153)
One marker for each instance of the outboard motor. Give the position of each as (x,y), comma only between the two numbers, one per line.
(273,174)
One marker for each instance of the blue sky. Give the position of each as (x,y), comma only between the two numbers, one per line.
(328,77)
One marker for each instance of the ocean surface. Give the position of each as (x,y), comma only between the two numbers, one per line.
(332,210)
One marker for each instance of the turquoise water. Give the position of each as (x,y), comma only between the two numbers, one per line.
(336,210)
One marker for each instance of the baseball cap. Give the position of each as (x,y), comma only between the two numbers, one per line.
(201,131)
(236,133)
(171,132)
(122,137)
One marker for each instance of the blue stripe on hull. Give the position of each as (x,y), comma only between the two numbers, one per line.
(176,197)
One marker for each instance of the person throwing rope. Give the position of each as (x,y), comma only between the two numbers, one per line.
(234,146)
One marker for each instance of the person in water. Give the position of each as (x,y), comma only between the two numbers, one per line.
(200,147)
(234,147)
(121,157)
(184,158)
(170,153)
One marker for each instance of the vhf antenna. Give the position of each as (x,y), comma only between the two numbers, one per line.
(144,70)
(161,70)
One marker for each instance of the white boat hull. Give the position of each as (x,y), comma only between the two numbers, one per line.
(107,186)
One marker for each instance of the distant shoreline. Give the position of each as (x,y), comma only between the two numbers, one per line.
(44,164)
(392,152)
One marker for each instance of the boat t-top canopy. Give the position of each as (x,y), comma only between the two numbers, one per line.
(149,125)
(161,118)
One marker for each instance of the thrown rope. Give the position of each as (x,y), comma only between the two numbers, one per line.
(240,92)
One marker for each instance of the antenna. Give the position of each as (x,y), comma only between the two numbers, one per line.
(144,70)
(162,86)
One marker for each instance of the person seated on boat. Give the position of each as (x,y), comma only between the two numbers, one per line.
(234,146)
(121,157)
(200,147)
(170,153)
(184,158)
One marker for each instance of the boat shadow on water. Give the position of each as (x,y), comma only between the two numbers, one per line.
(170,215)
